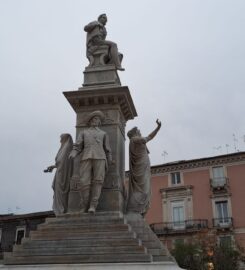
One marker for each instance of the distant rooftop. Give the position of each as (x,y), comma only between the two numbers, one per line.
(195,163)
(199,162)
(44,214)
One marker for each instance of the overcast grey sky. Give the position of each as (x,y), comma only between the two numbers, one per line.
(184,61)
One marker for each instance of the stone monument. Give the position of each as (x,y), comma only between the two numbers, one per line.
(61,182)
(93,144)
(140,171)
(98,48)
(95,227)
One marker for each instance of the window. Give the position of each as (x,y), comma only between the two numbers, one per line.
(20,233)
(218,176)
(178,215)
(177,201)
(222,212)
(175,178)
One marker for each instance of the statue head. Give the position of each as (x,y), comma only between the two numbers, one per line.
(95,118)
(66,139)
(133,132)
(102,19)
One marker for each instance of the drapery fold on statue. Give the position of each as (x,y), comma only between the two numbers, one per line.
(139,177)
(61,182)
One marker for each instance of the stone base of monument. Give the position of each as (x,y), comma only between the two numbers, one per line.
(101,75)
(82,238)
(97,266)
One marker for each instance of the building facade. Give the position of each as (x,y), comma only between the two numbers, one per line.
(200,199)
(14,227)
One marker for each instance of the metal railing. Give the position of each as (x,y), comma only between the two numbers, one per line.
(225,222)
(180,226)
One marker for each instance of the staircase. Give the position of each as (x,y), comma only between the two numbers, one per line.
(89,238)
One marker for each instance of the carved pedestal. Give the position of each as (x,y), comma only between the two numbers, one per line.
(99,56)
(117,105)
(101,75)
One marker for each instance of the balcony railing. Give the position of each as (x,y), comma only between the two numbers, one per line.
(226,222)
(179,227)
(219,183)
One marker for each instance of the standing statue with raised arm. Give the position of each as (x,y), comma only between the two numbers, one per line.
(61,182)
(93,144)
(96,38)
(139,171)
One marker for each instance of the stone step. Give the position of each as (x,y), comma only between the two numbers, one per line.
(149,239)
(84,228)
(100,214)
(157,252)
(151,244)
(142,230)
(53,251)
(146,236)
(101,217)
(35,235)
(162,258)
(80,221)
(72,259)
(27,243)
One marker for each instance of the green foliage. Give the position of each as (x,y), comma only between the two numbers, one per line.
(225,258)
(196,257)
(190,256)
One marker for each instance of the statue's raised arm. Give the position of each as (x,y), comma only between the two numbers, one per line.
(155,131)
(98,47)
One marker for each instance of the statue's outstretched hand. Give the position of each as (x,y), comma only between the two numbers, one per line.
(159,124)
(49,169)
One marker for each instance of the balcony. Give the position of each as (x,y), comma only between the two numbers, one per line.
(191,225)
(219,184)
(223,223)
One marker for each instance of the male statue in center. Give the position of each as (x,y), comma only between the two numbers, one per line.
(139,171)
(96,37)
(93,144)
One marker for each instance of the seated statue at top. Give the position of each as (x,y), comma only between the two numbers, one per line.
(96,43)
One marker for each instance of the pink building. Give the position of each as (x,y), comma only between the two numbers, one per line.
(199,198)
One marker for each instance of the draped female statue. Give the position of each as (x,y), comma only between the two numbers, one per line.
(139,171)
(61,182)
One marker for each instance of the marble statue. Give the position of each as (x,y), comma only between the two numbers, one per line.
(96,39)
(61,182)
(93,145)
(139,171)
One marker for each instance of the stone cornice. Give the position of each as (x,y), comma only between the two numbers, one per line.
(176,192)
(198,163)
(174,188)
(103,96)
